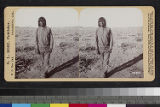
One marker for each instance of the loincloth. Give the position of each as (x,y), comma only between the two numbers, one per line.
(44,50)
(104,49)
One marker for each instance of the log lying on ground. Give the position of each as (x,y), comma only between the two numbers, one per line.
(124,66)
(61,67)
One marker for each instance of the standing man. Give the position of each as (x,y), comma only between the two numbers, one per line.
(44,42)
(104,41)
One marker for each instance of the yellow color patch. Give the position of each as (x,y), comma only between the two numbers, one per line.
(59,105)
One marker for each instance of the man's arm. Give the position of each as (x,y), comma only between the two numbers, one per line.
(37,47)
(97,43)
(111,40)
(51,41)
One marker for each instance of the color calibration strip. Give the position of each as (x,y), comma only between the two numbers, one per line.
(79,105)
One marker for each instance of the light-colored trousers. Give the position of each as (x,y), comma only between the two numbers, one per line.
(105,61)
(45,57)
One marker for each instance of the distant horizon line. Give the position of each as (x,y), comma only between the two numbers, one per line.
(80,26)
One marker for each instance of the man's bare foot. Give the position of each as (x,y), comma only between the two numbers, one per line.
(48,70)
(42,75)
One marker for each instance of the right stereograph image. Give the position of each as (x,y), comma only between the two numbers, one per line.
(111,43)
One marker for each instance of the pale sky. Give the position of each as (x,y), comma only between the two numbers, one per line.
(62,17)
(115,17)
(55,17)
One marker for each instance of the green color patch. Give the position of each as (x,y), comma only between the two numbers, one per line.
(40,105)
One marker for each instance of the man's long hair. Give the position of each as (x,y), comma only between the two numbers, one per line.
(103,20)
(43,20)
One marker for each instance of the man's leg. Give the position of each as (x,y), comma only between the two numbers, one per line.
(42,60)
(106,61)
(102,60)
(47,58)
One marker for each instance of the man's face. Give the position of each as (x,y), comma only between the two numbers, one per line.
(41,23)
(100,24)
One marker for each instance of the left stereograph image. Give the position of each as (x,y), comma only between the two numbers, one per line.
(46,43)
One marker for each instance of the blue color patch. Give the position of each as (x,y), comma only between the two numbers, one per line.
(21,105)
(5,105)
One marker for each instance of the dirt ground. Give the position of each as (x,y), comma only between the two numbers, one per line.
(127,46)
(65,48)
(72,41)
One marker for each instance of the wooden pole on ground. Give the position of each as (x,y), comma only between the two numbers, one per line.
(63,66)
(124,66)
